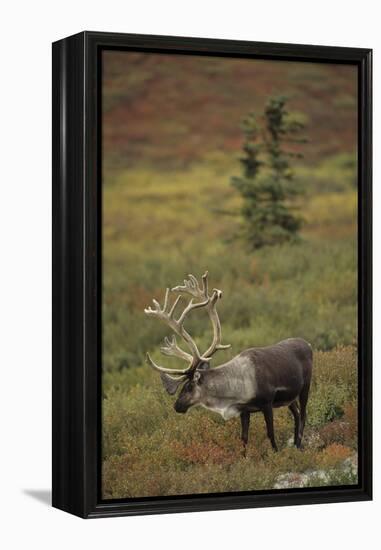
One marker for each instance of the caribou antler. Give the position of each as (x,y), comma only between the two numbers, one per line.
(192,287)
(167,315)
(171,348)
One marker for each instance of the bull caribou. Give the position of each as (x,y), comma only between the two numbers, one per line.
(257,379)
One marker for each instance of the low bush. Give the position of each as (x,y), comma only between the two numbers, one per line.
(149,449)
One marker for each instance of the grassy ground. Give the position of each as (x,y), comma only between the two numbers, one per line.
(158,227)
(151,450)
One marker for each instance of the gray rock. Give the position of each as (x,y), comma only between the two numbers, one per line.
(293,480)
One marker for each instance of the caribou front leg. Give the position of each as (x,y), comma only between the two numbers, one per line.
(295,413)
(268,414)
(245,422)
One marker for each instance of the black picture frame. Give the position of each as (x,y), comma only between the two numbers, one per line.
(77,272)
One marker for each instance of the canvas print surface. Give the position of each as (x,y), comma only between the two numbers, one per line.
(229,301)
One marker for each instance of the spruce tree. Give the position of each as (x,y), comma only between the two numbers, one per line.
(266,184)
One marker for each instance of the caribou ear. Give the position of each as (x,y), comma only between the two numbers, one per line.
(170,383)
(197,376)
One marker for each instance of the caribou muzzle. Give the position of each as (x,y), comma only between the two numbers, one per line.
(180,407)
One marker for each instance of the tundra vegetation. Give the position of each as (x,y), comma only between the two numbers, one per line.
(161,220)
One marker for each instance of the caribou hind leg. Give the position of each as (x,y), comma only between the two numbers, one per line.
(296,414)
(268,414)
(303,398)
(245,422)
